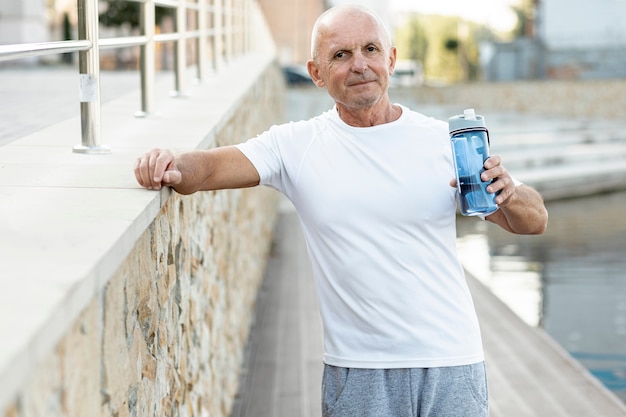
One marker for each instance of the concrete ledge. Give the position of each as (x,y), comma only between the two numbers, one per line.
(70,220)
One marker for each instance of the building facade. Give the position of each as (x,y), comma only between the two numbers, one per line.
(572,39)
(291,23)
(23,21)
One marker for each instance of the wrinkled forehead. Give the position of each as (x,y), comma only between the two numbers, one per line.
(349,27)
(344,15)
(351,33)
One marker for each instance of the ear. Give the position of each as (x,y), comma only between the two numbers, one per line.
(314,72)
(393,55)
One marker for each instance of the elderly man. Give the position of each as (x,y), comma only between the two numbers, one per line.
(372,182)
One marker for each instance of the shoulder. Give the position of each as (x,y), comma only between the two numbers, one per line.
(416,116)
(293,137)
(421,121)
(302,128)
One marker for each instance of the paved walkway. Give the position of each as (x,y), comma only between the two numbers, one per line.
(529,375)
(282,373)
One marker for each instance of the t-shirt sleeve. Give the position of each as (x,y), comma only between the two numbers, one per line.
(264,153)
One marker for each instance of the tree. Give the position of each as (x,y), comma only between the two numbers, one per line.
(446,45)
(525,13)
(418,43)
(124,16)
(121,12)
(452,45)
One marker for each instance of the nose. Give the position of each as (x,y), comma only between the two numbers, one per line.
(359,63)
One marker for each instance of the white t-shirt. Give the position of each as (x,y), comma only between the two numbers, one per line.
(379,218)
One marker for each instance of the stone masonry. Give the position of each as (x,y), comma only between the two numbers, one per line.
(166,335)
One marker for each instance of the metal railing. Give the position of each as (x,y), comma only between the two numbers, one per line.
(228,32)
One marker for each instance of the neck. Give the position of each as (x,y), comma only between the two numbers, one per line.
(369,116)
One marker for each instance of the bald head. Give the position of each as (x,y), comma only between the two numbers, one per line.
(338,14)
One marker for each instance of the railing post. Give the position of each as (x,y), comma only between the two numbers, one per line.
(89,73)
(218,34)
(228,30)
(147,58)
(237,29)
(242,27)
(181,47)
(202,39)
(247,27)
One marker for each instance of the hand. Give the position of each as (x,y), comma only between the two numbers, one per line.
(522,208)
(156,169)
(523,211)
(502,184)
(503,181)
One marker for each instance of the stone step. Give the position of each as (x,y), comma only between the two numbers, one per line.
(557,138)
(576,180)
(572,154)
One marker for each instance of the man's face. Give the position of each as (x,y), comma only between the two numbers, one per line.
(354,61)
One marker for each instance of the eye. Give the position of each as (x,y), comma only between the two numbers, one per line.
(371,48)
(340,54)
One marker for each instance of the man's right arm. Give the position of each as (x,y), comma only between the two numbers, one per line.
(214,169)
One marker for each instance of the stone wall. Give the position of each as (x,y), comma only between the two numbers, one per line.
(165,336)
(579,99)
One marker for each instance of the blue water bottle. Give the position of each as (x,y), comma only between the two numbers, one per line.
(470,148)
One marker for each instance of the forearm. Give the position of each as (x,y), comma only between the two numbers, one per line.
(523,213)
(215,169)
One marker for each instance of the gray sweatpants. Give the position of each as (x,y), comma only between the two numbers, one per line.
(456,391)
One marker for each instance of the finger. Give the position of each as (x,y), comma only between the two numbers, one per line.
(503,196)
(137,171)
(493,161)
(160,162)
(141,171)
(493,173)
(504,187)
(494,169)
(172,177)
(152,176)
(163,162)
(145,168)
(498,184)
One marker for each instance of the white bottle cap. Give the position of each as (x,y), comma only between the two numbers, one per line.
(469,114)
(466,121)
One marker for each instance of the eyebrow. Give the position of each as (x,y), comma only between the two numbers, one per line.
(337,47)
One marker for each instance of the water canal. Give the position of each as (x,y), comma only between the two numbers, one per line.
(570,281)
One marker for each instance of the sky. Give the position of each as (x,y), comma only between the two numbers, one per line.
(495,13)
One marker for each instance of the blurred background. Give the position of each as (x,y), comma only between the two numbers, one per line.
(570,281)
(439,42)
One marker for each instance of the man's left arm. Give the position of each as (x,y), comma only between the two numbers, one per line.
(522,210)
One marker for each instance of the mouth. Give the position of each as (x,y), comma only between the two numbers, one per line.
(356,83)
